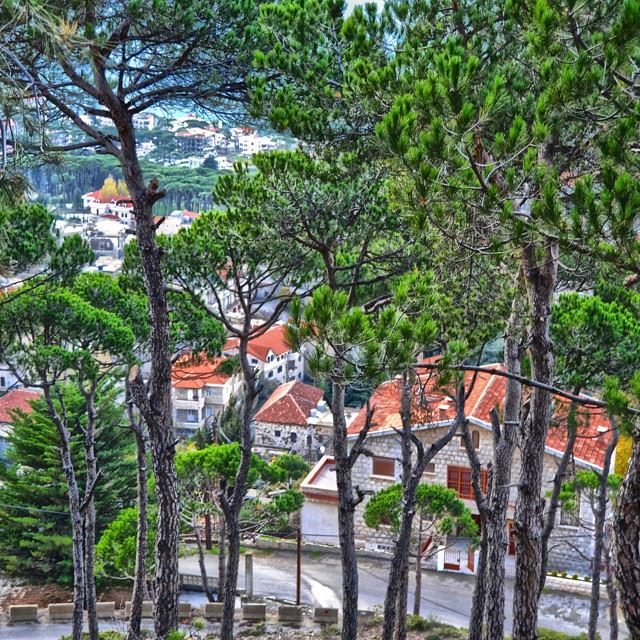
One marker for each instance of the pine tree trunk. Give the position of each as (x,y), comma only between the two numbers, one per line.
(231,578)
(611,588)
(476,618)
(77,525)
(540,278)
(626,540)
(399,571)
(600,519)
(90,516)
(346,508)
(554,500)
(140,578)
(504,441)
(231,509)
(222,557)
(417,596)
(155,402)
(201,563)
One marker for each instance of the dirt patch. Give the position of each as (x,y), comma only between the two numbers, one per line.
(44,595)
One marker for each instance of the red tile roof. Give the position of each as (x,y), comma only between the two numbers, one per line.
(271,340)
(16,400)
(290,403)
(190,374)
(431,404)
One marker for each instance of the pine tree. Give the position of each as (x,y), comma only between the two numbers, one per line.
(35,530)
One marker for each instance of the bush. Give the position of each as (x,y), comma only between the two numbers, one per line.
(574,576)
(550,634)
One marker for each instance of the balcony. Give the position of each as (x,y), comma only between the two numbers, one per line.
(189,405)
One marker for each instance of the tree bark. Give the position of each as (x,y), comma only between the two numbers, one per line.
(417,596)
(554,500)
(395,605)
(201,563)
(612,592)
(600,519)
(222,557)
(154,400)
(90,513)
(540,277)
(626,540)
(231,509)
(477,616)
(140,578)
(346,509)
(77,529)
(504,440)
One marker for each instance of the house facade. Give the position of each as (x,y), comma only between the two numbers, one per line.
(270,354)
(572,540)
(200,391)
(283,423)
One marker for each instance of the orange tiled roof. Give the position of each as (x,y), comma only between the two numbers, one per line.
(190,374)
(16,400)
(431,404)
(290,403)
(272,340)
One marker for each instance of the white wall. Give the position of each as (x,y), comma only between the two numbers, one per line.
(319,521)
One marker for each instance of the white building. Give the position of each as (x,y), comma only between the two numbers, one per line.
(201,389)
(144,121)
(271,355)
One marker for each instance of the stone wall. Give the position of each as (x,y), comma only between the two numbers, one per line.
(567,542)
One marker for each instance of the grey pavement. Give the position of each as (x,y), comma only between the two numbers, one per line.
(446,596)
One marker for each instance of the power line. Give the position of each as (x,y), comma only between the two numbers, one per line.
(35,509)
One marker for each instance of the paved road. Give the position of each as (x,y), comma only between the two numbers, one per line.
(446,596)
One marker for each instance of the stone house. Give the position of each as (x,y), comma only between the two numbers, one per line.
(283,422)
(572,542)
(200,390)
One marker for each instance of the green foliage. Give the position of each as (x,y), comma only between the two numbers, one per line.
(439,507)
(116,548)
(594,339)
(292,465)
(35,530)
(26,236)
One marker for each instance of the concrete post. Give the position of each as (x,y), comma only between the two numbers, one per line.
(440,557)
(248,575)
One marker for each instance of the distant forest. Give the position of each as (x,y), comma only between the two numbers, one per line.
(66,182)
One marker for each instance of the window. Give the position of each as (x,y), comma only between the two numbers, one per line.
(293,436)
(208,392)
(254,361)
(277,433)
(280,369)
(192,416)
(383,467)
(309,440)
(459,478)
(430,469)
(2,381)
(270,374)
(475,439)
